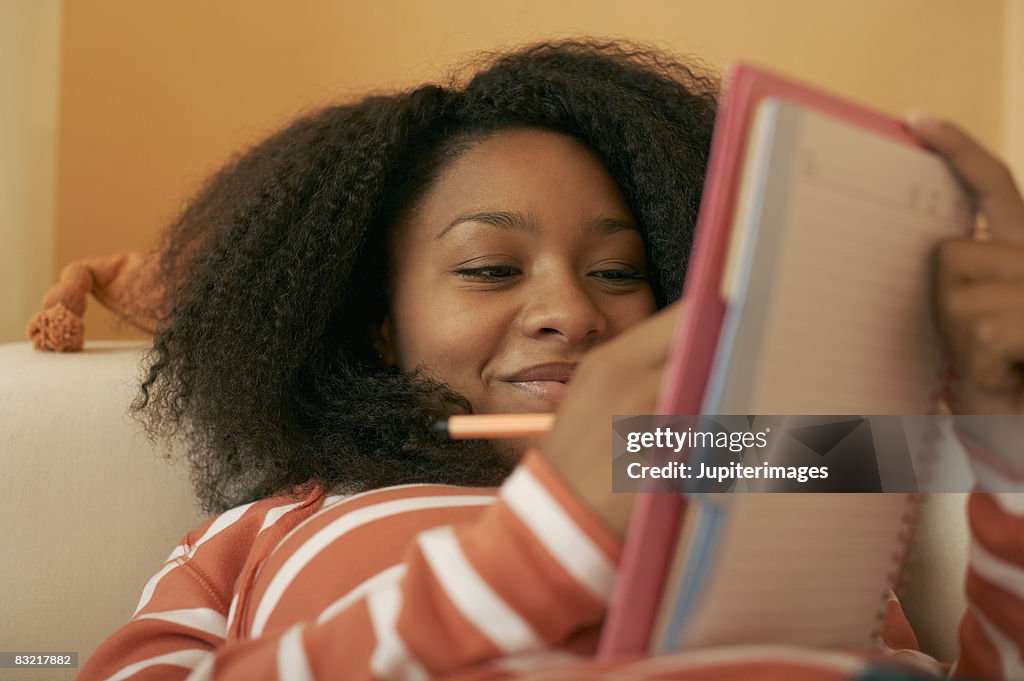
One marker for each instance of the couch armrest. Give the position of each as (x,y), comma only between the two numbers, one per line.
(90,509)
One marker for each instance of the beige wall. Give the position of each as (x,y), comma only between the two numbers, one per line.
(156,94)
(29,78)
(1013,89)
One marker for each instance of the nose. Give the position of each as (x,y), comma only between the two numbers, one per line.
(559,306)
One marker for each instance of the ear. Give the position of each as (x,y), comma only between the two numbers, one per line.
(384,344)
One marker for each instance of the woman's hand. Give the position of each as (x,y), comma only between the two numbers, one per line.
(979,289)
(620,377)
(979,284)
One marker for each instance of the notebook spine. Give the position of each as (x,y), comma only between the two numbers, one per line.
(902,558)
(903,555)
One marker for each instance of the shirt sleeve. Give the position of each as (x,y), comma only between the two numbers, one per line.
(992,630)
(182,614)
(533,571)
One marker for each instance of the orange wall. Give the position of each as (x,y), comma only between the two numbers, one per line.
(156,94)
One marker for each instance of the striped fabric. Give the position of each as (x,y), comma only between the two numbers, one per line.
(427,581)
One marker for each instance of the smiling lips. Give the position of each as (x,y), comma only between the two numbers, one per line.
(547,382)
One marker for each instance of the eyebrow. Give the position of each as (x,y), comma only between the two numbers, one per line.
(518,222)
(605,226)
(504,220)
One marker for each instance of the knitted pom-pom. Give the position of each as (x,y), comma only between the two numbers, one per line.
(57,329)
(126,283)
(71,290)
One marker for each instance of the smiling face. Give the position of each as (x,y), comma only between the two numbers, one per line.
(521,257)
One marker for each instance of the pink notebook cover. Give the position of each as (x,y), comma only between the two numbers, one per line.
(656,517)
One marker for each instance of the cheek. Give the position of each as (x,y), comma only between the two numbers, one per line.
(454,340)
(632,311)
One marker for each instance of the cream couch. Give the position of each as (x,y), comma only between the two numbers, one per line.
(90,510)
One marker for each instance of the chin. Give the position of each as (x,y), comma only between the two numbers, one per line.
(514,450)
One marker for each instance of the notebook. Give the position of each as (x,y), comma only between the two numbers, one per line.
(806,294)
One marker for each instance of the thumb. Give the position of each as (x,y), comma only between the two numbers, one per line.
(985,175)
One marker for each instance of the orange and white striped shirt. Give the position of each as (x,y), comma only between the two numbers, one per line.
(427,581)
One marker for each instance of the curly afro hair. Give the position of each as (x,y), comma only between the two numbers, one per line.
(276,272)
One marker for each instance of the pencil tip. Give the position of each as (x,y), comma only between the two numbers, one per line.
(441,427)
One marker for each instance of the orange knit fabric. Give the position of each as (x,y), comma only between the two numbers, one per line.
(126,283)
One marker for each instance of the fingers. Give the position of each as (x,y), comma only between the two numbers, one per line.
(984,174)
(994,357)
(970,302)
(625,373)
(981,316)
(979,286)
(621,377)
(964,307)
(960,262)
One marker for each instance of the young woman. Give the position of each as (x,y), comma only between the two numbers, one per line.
(502,245)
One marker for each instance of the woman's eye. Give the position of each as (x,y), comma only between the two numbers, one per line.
(620,276)
(488,273)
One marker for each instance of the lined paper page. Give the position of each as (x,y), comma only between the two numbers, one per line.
(829,313)
(811,569)
(839,271)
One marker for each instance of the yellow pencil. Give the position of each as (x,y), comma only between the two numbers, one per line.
(495,426)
